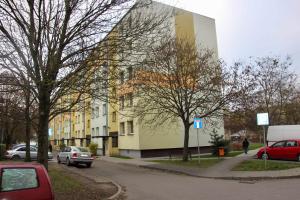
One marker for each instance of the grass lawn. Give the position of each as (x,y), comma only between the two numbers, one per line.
(253,146)
(230,154)
(62,182)
(259,165)
(204,163)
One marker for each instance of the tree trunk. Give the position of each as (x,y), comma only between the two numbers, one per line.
(185,156)
(27,128)
(44,110)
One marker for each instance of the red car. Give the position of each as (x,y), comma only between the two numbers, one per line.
(285,150)
(25,181)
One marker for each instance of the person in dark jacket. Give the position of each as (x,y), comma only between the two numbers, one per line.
(245,145)
(50,147)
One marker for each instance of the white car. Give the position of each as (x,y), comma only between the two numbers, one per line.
(20,153)
(75,155)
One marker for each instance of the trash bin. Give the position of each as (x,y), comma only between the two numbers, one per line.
(221,151)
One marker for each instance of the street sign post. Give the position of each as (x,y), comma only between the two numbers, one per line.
(198,123)
(263,120)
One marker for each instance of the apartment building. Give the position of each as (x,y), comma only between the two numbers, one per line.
(112,126)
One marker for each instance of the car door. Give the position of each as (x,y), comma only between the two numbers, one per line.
(276,150)
(290,150)
(21,151)
(33,153)
(62,155)
(68,152)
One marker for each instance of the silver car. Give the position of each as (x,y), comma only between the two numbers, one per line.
(75,155)
(20,153)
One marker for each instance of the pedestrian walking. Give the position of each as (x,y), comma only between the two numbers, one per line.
(50,147)
(245,145)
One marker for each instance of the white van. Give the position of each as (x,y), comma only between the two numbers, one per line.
(282,132)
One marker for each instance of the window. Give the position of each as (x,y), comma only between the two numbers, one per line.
(291,144)
(122,128)
(279,144)
(88,123)
(129,71)
(104,109)
(122,101)
(22,149)
(130,127)
(97,112)
(115,142)
(114,116)
(121,77)
(93,113)
(93,131)
(18,178)
(130,100)
(104,130)
(97,131)
(33,149)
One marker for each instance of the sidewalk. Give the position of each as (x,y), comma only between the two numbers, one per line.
(221,170)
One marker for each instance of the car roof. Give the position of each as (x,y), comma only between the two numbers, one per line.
(16,164)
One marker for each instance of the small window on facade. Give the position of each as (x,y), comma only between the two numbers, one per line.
(93,131)
(115,142)
(122,102)
(130,127)
(122,128)
(130,73)
(114,116)
(130,99)
(97,112)
(104,130)
(104,109)
(88,124)
(18,179)
(93,113)
(97,131)
(121,77)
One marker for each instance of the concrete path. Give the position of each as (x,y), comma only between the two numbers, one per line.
(221,170)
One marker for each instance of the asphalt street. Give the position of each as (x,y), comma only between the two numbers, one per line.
(140,183)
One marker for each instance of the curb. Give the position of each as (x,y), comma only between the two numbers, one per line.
(238,178)
(119,191)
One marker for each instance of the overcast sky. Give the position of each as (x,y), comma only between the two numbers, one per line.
(252,27)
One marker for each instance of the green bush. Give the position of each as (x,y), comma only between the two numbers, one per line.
(93,148)
(218,141)
(62,145)
(2,151)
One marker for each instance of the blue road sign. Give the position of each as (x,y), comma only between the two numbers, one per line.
(198,123)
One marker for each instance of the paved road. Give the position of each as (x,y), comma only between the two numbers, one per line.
(154,185)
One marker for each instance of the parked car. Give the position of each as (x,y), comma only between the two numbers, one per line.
(25,181)
(20,153)
(75,155)
(285,150)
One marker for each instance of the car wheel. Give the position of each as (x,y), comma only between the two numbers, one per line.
(68,162)
(298,158)
(16,157)
(88,165)
(265,156)
(58,160)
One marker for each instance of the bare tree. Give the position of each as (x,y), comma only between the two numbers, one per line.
(273,90)
(52,41)
(180,81)
(275,84)
(18,91)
